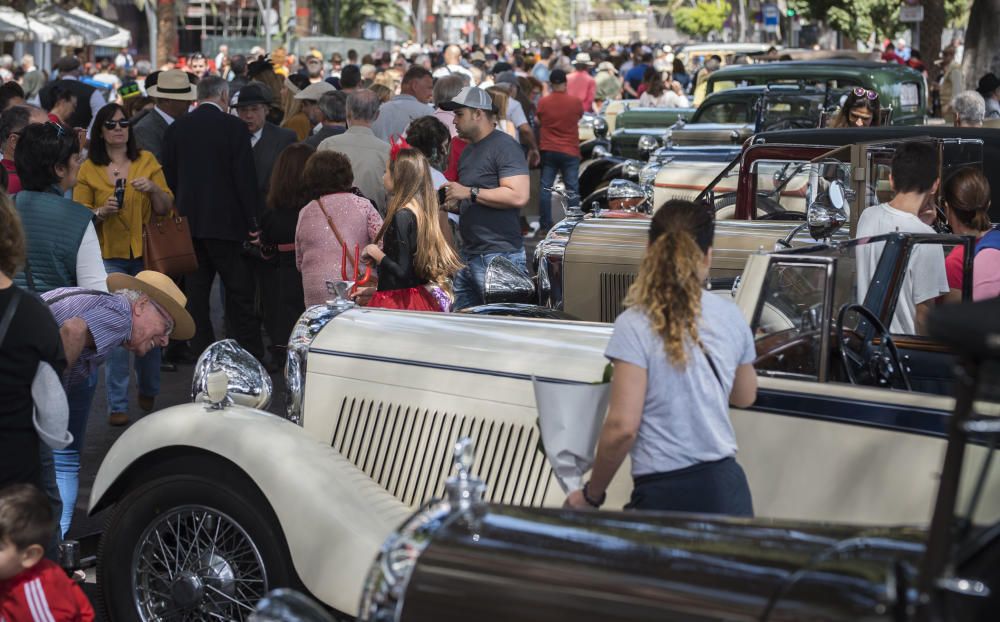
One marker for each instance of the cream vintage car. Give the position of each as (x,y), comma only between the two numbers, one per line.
(213,503)
(587,262)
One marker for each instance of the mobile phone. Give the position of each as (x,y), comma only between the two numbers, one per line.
(442,196)
(120,192)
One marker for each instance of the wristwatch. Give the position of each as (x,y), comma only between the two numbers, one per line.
(474,191)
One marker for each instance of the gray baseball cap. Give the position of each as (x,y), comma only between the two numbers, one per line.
(470,97)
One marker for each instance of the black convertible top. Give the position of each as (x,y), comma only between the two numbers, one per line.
(972,328)
(838,137)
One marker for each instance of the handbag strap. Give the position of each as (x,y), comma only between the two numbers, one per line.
(715,370)
(8,314)
(336,232)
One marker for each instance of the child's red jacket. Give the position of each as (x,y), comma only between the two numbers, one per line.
(43,593)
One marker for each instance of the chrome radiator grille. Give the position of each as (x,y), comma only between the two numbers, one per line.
(407,451)
(614,287)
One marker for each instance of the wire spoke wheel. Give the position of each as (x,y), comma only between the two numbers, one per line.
(196,563)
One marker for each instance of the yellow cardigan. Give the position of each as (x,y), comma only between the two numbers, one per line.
(121,234)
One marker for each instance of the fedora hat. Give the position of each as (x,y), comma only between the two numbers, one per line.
(253,93)
(583,59)
(172,84)
(160,288)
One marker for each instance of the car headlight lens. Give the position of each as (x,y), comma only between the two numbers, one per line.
(305,330)
(632,168)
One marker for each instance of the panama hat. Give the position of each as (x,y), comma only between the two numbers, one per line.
(172,84)
(583,58)
(160,288)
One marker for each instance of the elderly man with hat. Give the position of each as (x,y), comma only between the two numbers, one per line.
(989,88)
(267,139)
(140,313)
(330,115)
(174,93)
(308,99)
(580,84)
(493,186)
(88,99)
(608,85)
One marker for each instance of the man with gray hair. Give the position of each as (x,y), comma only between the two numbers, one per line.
(368,153)
(209,165)
(331,113)
(969,108)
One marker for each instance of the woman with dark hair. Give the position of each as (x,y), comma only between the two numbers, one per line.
(334,223)
(123,186)
(860,109)
(966,196)
(681,356)
(659,95)
(285,198)
(680,74)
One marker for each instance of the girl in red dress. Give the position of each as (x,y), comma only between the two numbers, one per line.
(415,263)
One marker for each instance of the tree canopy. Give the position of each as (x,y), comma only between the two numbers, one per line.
(702,18)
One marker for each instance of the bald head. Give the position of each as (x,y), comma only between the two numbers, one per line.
(452,54)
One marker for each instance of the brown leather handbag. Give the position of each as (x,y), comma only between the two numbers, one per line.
(167,246)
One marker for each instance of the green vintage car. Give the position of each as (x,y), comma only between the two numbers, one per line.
(634,123)
(899,86)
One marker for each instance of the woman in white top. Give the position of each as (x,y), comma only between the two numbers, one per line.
(681,356)
(657,95)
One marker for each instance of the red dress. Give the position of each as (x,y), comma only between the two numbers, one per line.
(399,287)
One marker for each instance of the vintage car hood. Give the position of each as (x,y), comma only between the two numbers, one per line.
(629,566)
(712,133)
(651,117)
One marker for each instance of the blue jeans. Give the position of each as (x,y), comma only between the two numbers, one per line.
(51,490)
(569,166)
(147,367)
(469,281)
(79,396)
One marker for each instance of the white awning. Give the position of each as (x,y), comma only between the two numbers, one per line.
(121,39)
(75,27)
(15,27)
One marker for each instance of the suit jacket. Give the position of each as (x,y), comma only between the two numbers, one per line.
(368,155)
(149,131)
(272,142)
(209,165)
(325,132)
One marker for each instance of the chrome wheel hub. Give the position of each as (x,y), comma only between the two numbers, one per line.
(196,563)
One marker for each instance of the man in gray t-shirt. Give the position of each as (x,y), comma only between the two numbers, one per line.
(492,189)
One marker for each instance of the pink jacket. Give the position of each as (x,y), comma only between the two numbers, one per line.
(317,252)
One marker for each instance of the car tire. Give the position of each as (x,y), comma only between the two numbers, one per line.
(216,540)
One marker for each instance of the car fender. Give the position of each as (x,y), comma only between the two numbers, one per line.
(333,516)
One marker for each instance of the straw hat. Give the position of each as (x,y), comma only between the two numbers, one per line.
(583,59)
(160,288)
(172,84)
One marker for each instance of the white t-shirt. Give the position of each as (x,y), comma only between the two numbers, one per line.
(925,276)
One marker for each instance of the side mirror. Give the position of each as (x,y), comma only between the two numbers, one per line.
(505,282)
(827,214)
(247,383)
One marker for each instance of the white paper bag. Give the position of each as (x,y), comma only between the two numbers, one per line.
(570,417)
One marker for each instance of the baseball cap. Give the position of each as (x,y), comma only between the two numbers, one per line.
(506,77)
(314,91)
(469,97)
(558,76)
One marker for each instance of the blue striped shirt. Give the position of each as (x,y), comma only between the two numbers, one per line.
(108,317)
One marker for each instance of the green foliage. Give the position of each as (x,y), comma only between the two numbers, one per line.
(540,17)
(858,19)
(702,18)
(354,13)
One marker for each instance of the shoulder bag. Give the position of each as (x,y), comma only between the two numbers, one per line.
(167,245)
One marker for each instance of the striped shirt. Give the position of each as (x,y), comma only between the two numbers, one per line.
(108,317)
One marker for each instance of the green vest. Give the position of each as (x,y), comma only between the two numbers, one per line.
(53,229)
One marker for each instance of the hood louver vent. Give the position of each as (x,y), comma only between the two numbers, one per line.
(614,287)
(406,450)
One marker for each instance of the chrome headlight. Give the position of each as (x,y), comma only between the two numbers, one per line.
(600,151)
(631,168)
(387,580)
(600,127)
(305,330)
(247,382)
(647,145)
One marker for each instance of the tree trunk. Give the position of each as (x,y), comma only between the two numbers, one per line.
(930,34)
(166,38)
(982,41)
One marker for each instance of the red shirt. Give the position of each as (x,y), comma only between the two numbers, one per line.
(13,181)
(559,114)
(454,154)
(582,86)
(43,593)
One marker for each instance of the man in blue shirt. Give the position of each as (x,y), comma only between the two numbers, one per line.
(634,76)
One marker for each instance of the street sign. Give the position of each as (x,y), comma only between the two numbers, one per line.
(911,14)
(771,17)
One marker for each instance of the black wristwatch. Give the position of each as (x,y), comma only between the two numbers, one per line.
(596,503)
(474,191)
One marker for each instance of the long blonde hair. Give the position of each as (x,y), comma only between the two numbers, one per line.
(435,259)
(668,288)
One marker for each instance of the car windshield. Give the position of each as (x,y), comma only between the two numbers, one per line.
(723,112)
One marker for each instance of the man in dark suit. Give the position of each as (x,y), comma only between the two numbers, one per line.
(209,165)
(173,93)
(267,139)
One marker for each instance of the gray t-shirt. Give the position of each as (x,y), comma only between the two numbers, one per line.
(483,164)
(685,416)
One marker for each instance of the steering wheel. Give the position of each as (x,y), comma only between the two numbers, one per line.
(792,123)
(884,361)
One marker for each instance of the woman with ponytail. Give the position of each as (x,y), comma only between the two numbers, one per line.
(417,264)
(681,356)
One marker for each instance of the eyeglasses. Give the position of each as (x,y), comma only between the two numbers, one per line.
(166,316)
(111,123)
(860,92)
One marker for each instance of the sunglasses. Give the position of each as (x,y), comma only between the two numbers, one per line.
(122,123)
(860,92)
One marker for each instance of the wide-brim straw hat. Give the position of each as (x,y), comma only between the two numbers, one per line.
(161,289)
(583,58)
(173,84)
